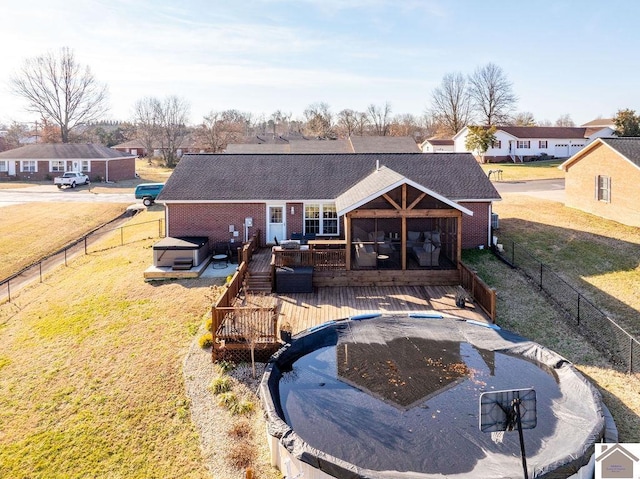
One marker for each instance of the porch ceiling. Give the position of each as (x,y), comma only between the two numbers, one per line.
(381,181)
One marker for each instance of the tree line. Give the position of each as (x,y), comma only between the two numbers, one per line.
(70,103)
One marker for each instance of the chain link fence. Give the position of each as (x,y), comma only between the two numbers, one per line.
(592,323)
(109,236)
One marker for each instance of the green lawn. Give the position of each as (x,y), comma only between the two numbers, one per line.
(533,170)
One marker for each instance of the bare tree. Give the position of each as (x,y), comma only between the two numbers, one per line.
(565,120)
(361,123)
(524,118)
(147,120)
(545,122)
(318,119)
(451,103)
(173,117)
(492,95)
(61,91)
(16,134)
(219,128)
(347,122)
(380,117)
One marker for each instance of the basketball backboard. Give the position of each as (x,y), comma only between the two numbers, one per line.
(497,411)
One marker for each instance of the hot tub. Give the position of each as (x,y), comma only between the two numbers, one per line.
(169,249)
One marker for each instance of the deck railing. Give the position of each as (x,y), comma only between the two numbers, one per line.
(482,294)
(320,259)
(246,324)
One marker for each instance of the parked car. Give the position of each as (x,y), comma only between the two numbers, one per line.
(71,179)
(148,192)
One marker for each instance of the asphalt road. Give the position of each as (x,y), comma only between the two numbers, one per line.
(51,193)
(547,189)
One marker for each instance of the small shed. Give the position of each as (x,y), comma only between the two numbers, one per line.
(170,249)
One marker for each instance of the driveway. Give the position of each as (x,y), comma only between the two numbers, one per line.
(547,189)
(51,193)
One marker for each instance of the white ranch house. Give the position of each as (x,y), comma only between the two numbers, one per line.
(520,143)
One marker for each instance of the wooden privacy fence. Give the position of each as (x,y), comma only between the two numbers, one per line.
(482,294)
(320,259)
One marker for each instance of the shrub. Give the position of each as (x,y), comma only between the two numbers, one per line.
(206,340)
(241,408)
(223,367)
(227,399)
(241,454)
(221,384)
(208,323)
(240,429)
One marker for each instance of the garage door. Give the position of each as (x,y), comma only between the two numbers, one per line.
(561,151)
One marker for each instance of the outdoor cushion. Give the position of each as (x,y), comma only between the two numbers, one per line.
(433,236)
(378,238)
(429,246)
(413,235)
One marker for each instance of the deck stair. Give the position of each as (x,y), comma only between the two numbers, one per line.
(182,263)
(259,282)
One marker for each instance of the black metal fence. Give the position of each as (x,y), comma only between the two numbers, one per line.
(106,237)
(600,330)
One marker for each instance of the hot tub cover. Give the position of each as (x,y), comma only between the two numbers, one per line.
(396,396)
(181,243)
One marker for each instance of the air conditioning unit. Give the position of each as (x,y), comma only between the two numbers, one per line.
(495,222)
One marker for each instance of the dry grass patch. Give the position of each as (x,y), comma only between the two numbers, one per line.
(600,258)
(523,311)
(31,231)
(91,372)
(533,170)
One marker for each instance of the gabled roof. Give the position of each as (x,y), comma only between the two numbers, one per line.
(63,151)
(600,123)
(439,141)
(542,132)
(379,182)
(354,144)
(295,177)
(384,144)
(129,144)
(627,147)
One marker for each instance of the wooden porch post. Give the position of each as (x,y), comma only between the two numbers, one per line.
(403,233)
(347,237)
(459,246)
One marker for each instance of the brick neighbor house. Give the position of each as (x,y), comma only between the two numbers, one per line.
(603,178)
(44,161)
(401,202)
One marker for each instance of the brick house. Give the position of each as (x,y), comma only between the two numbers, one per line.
(603,178)
(44,161)
(399,201)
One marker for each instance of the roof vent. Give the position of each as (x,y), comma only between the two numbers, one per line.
(377,165)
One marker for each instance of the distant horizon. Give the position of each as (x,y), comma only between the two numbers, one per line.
(259,56)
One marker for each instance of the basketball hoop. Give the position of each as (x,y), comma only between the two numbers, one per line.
(502,411)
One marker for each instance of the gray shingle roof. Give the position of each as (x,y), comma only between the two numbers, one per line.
(228,177)
(629,147)
(384,144)
(355,144)
(559,132)
(62,151)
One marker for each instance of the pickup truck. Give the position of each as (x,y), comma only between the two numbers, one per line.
(71,179)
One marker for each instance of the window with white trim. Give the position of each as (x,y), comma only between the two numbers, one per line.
(525,144)
(543,144)
(496,144)
(321,219)
(57,166)
(85,165)
(28,166)
(4,166)
(603,188)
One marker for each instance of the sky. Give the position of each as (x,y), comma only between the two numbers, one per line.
(259,56)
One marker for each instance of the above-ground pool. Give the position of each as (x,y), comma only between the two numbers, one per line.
(398,397)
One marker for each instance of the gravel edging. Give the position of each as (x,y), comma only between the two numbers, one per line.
(211,421)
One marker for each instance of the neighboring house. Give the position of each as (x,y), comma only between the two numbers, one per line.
(303,145)
(413,210)
(437,145)
(522,143)
(44,161)
(603,179)
(135,147)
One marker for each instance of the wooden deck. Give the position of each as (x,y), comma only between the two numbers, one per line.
(304,310)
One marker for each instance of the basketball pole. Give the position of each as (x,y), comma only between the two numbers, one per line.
(516,406)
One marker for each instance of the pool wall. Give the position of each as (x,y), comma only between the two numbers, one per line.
(294,456)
